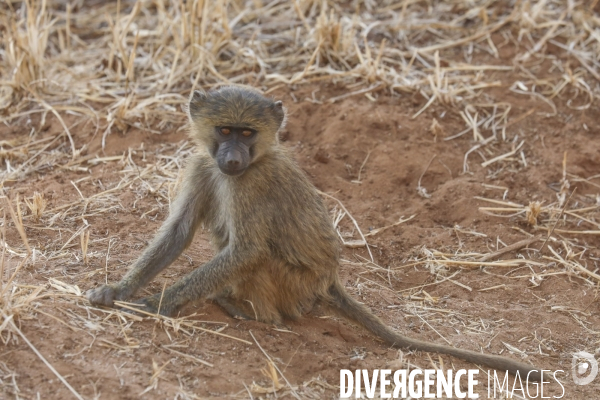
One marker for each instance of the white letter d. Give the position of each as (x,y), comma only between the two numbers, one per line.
(346,391)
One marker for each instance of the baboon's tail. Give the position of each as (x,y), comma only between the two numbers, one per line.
(341,302)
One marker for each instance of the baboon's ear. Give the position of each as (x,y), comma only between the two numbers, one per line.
(198,95)
(197,100)
(279,113)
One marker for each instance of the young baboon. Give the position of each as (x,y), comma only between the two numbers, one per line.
(277,250)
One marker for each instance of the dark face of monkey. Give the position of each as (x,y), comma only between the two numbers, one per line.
(237,126)
(233,148)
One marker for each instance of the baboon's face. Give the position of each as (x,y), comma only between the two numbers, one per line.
(233,148)
(236,125)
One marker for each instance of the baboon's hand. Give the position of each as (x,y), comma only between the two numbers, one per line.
(104,295)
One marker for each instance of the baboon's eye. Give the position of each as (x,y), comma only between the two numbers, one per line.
(225,131)
(247,133)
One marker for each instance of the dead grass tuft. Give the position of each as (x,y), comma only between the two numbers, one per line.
(532,212)
(37,206)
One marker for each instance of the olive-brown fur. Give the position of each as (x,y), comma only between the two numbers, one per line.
(277,252)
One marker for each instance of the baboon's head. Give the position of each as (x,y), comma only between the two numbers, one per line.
(237,125)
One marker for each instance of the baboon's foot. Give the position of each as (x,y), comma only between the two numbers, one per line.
(154,305)
(231,308)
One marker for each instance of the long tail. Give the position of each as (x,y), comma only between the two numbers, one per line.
(354,311)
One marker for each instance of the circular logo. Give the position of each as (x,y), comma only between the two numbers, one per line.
(584,368)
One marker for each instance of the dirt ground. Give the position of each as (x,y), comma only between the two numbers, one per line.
(545,316)
(385,165)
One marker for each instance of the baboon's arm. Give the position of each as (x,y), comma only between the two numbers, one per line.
(203,281)
(174,236)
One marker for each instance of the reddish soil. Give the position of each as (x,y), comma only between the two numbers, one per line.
(549,318)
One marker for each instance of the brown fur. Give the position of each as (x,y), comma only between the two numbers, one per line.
(277,251)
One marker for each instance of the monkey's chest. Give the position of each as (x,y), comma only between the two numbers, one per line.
(241,216)
(221,230)
(220,221)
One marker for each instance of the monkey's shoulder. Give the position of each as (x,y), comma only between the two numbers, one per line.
(285,182)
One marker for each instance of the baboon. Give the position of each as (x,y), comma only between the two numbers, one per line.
(277,252)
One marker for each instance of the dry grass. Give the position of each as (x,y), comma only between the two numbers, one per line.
(135,66)
(107,67)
